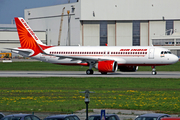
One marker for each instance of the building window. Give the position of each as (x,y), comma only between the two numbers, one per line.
(136,33)
(169,27)
(103,33)
(162,42)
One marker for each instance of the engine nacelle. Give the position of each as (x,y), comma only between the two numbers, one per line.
(106,66)
(128,68)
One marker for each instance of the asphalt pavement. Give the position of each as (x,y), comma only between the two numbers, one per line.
(138,74)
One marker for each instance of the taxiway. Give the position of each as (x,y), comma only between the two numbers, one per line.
(146,74)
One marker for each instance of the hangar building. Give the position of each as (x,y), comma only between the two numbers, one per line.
(115,22)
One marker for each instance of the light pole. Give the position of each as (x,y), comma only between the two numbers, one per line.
(87,100)
(69,41)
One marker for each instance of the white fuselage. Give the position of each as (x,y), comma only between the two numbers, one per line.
(130,55)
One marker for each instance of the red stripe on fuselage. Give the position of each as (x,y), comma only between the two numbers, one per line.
(86,64)
(75,64)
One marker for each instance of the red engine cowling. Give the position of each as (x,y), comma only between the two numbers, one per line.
(128,68)
(107,66)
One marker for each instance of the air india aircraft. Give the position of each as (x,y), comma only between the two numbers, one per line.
(104,58)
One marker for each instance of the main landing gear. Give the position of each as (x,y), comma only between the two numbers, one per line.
(103,73)
(153,70)
(90,71)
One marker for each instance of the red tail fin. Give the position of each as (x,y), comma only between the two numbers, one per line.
(27,37)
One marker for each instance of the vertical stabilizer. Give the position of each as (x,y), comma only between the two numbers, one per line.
(28,38)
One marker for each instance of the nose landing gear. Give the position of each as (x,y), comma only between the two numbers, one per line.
(153,70)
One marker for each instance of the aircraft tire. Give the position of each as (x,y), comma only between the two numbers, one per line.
(103,73)
(89,72)
(154,72)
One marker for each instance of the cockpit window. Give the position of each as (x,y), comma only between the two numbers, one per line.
(168,52)
(165,52)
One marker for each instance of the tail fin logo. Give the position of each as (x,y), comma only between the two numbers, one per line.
(27,37)
(29,29)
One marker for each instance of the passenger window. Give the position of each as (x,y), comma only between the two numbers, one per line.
(34,118)
(112,118)
(76,118)
(138,118)
(15,118)
(71,118)
(163,117)
(27,118)
(67,118)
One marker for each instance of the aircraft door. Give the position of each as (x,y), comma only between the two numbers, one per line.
(151,53)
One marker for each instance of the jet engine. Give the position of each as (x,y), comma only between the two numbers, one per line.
(128,68)
(106,66)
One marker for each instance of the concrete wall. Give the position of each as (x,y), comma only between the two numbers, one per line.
(13,35)
(129,9)
(10,39)
(119,14)
(49,18)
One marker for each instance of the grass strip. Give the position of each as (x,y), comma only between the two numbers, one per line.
(42,66)
(62,94)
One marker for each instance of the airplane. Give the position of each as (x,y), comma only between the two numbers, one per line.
(105,59)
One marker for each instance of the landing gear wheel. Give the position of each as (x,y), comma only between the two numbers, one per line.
(154,72)
(89,72)
(103,73)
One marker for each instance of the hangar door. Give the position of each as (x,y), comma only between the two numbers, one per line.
(91,33)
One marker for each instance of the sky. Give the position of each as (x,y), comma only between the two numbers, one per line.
(15,8)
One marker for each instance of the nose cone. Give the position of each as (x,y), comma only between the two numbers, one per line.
(174,59)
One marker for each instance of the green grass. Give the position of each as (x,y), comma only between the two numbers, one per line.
(62,94)
(42,66)
(39,66)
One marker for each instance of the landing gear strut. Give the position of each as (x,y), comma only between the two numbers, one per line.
(90,71)
(153,70)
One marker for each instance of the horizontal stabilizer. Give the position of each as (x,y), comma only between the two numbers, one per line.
(26,52)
